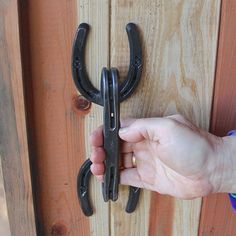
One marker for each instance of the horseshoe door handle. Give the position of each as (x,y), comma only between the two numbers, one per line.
(109,96)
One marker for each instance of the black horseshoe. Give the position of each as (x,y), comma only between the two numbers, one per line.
(83,188)
(80,76)
(83,191)
(109,96)
(79,73)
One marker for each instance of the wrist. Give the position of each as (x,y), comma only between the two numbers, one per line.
(225,171)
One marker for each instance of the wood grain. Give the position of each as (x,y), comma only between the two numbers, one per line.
(56,125)
(96,14)
(4,219)
(179,44)
(13,136)
(217,218)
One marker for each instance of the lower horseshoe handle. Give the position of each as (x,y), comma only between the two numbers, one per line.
(134,193)
(83,180)
(83,188)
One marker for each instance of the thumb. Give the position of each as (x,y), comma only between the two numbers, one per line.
(140,129)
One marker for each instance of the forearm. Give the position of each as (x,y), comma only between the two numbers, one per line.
(226,166)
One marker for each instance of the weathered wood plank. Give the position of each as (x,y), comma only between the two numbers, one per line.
(217,218)
(96,14)
(4,219)
(56,124)
(13,136)
(179,43)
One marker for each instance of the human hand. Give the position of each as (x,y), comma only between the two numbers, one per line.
(172,157)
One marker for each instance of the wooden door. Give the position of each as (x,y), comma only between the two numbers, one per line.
(179,41)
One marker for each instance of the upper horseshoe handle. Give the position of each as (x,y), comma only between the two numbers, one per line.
(135,67)
(80,75)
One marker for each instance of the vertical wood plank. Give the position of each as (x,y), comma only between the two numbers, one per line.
(96,14)
(4,219)
(179,44)
(55,123)
(217,218)
(13,136)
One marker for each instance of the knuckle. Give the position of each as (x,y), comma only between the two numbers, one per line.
(170,123)
(138,122)
(179,117)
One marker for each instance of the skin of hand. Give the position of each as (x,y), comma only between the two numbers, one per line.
(172,156)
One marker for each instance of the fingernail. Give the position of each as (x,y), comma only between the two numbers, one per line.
(123,130)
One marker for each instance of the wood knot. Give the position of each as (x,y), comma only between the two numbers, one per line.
(59,229)
(81,105)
